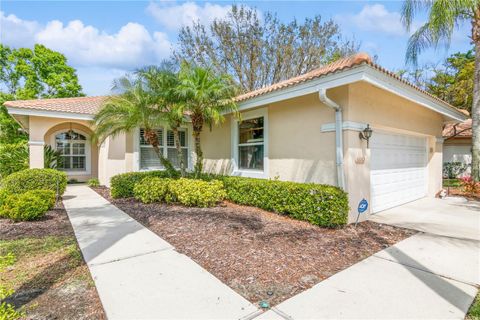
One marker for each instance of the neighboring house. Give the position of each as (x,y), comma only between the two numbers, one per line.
(457,144)
(303,129)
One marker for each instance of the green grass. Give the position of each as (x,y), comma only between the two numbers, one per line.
(32,246)
(451,183)
(474,311)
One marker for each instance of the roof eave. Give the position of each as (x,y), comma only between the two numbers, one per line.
(362,72)
(48,113)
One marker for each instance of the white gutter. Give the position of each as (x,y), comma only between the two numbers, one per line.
(322,94)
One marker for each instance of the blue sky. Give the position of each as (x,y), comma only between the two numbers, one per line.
(104,40)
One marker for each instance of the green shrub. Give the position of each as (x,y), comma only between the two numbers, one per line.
(152,190)
(121,185)
(32,179)
(321,205)
(13,158)
(93,183)
(26,206)
(196,193)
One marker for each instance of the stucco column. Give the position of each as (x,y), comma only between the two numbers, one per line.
(36,154)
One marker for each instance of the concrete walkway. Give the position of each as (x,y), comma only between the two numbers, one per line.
(138,275)
(432,275)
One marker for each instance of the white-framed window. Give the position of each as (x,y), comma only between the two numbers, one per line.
(250,144)
(73,148)
(148,159)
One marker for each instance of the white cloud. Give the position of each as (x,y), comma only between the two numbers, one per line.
(375,18)
(84,45)
(17,32)
(174,16)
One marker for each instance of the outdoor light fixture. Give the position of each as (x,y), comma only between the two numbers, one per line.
(366,134)
(71,133)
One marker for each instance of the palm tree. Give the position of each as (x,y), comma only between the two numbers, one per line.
(206,97)
(163,82)
(134,106)
(443,17)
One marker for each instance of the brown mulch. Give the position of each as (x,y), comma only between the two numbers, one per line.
(54,223)
(459,192)
(261,255)
(49,276)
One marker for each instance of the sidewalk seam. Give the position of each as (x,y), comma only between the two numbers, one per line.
(130,257)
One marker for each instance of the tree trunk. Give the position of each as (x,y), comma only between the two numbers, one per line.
(152,138)
(197,124)
(476,100)
(181,163)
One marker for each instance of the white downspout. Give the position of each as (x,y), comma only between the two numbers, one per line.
(322,94)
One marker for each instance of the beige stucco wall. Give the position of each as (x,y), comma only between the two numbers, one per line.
(216,146)
(298,150)
(386,112)
(115,157)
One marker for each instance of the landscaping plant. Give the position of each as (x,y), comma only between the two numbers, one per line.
(452,170)
(33,179)
(206,98)
(196,193)
(121,185)
(93,182)
(152,190)
(469,186)
(7,311)
(30,205)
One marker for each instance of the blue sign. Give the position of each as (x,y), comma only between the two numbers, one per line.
(362,206)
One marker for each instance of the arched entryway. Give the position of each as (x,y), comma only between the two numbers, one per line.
(79,156)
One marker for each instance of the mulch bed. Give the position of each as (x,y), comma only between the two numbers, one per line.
(54,223)
(261,255)
(49,283)
(459,192)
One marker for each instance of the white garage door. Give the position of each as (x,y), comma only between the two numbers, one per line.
(397,169)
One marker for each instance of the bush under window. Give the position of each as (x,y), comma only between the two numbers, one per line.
(152,190)
(121,185)
(33,179)
(196,193)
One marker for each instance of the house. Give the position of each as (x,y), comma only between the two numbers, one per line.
(310,128)
(457,143)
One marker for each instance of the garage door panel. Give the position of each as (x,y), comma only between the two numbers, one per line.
(398,170)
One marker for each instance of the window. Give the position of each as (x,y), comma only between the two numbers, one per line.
(251,144)
(72,148)
(172,153)
(149,159)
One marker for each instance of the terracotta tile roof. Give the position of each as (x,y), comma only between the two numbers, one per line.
(82,105)
(339,65)
(458,130)
(90,105)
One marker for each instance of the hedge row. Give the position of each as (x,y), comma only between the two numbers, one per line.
(189,192)
(34,179)
(321,205)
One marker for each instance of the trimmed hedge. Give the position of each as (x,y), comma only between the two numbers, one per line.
(34,179)
(121,185)
(196,193)
(189,192)
(321,205)
(152,190)
(26,206)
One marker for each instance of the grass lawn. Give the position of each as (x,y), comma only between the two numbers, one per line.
(49,276)
(474,311)
(455,183)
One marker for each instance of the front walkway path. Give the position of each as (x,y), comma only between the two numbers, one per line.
(432,275)
(138,275)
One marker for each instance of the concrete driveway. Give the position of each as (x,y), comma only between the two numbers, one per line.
(451,217)
(434,274)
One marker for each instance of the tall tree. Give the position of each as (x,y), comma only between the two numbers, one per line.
(260,51)
(163,82)
(31,74)
(131,106)
(206,97)
(453,82)
(443,17)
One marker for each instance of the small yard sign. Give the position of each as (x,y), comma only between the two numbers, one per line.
(362,207)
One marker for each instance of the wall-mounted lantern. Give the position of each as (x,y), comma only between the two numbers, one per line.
(366,134)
